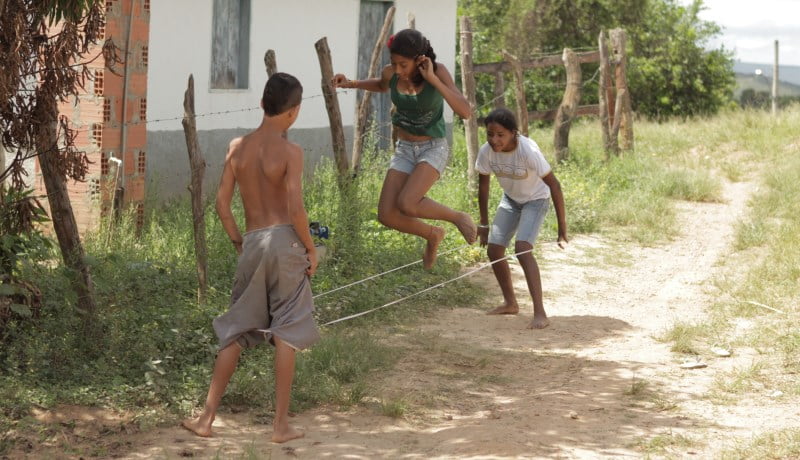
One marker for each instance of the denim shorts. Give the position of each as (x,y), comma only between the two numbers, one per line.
(407,154)
(524,219)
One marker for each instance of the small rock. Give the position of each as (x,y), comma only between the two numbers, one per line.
(573,415)
(776,394)
(721,352)
(448,417)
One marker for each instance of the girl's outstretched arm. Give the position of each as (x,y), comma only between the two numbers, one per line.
(558,203)
(377,85)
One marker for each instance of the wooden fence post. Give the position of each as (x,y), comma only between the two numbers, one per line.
(269,63)
(332,105)
(519,87)
(566,111)
(360,124)
(468,88)
(606,100)
(198,167)
(623,107)
(411,21)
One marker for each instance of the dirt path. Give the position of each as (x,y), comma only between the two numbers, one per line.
(595,384)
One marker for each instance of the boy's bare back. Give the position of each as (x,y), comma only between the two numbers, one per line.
(260,163)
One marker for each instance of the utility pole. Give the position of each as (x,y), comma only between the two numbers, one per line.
(775,82)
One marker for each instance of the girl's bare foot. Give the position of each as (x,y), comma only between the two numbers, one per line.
(504,310)
(539,322)
(467,227)
(429,256)
(199,426)
(287,433)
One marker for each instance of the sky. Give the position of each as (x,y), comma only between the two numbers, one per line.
(750,28)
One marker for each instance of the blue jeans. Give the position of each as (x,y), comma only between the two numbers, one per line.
(524,219)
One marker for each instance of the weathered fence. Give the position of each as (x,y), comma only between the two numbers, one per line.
(614,107)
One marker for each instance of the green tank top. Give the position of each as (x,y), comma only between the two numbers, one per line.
(419,114)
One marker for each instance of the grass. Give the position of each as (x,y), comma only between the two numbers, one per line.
(764,267)
(684,337)
(394,408)
(772,445)
(664,443)
(155,348)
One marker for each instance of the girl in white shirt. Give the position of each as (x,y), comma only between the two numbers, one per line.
(528,183)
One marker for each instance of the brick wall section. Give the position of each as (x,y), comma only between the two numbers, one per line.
(100,105)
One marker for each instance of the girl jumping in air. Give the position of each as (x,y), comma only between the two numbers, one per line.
(418,86)
(528,183)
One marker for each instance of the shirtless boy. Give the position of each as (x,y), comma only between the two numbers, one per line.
(276,251)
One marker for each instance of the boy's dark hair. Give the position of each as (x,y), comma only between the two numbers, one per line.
(281,93)
(502,117)
(411,43)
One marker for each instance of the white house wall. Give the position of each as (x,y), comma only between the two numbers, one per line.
(180,44)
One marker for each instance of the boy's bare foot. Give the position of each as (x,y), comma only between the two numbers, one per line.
(504,310)
(467,227)
(198,426)
(429,256)
(286,434)
(539,322)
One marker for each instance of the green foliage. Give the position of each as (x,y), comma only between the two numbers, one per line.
(671,74)
(670,70)
(155,349)
(69,10)
(20,239)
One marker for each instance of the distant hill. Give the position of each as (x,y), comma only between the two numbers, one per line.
(747,78)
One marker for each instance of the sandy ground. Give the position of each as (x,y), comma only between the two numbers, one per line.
(596,384)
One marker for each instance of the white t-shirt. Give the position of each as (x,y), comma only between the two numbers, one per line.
(519,172)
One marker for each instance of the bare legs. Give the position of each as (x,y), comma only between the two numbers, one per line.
(224,366)
(532,276)
(503,275)
(403,203)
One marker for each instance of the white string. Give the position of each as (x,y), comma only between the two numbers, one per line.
(384,273)
(394,302)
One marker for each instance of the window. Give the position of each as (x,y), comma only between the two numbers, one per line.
(230,46)
(141,163)
(104,164)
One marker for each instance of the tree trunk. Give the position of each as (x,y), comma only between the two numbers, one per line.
(61,213)
(499,90)
(624,113)
(198,167)
(519,90)
(332,105)
(361,111)
(566,111)
(468,88)
(607,100)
